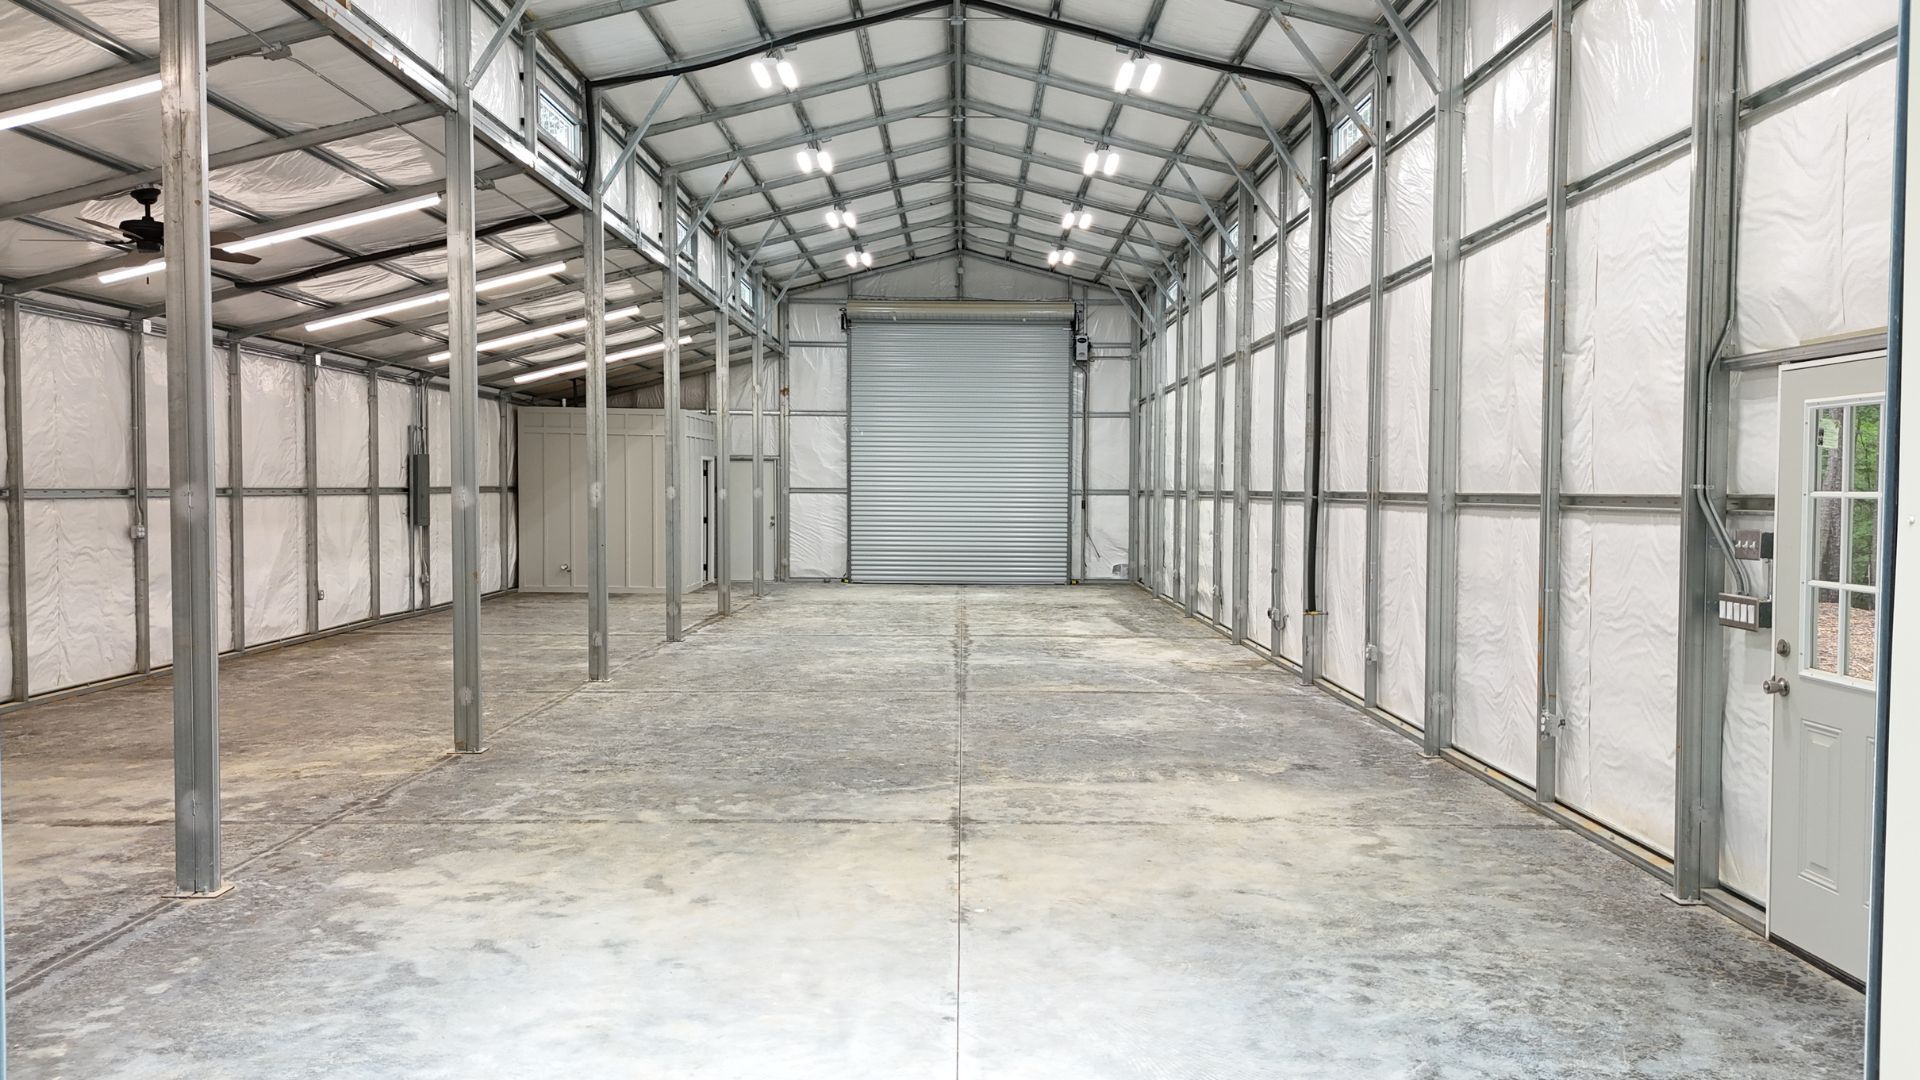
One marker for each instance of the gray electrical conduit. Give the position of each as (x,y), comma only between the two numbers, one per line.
(1318,239)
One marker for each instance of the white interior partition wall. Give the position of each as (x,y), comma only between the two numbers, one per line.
(1815,141)
(1098,485)
(322,539)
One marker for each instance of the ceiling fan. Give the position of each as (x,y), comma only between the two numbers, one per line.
(144,238)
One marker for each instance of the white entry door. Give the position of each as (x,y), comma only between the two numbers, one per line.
(740,501)
(1826,559)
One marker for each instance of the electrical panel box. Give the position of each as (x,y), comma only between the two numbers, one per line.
(419,489)
(1082,349)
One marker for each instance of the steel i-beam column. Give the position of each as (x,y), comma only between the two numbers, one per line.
(190,381)
(463,385)
(1376,371)
(1701,704)
(722,407)
(1157,549)
(1276,593)
(1218,481)
(1548,716)
(783,492)
(670,360)
(596,259)
(1443,429)
(1190,346)
(759,436)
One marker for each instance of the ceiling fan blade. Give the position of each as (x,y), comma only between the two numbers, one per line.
(224,236)
(98,224)
(131,258)
(241,257)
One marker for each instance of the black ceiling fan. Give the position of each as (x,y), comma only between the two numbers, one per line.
(144,238)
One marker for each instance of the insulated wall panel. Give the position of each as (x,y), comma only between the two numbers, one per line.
(1105,546)
(1625,365)
(440,568)
(1497,610)
(439,443)
(276,567)
(396,563)
(272,426)
(76,404)
(490,541)
(340,429)
(1293,436)
(1344,559)
(1208,425)
(1109,464)
(818,379)
(157,426)
(1406,381)
(1746,758)
(6,612)
(1260,581)
(1409,223)
(1620,580)
(1350,238)
(1265,281)
(1347,400)
(345,579)
(819,452)
(1203,598)
(1633,65)
(1815,199)
(1504,291)
(1786,37)
(1403,612)
(1292,540)
(1753,455)
(1506,139)
(818,536)
(160,578)
(1493,24)
(396,415)
(79,590)
(1260,441)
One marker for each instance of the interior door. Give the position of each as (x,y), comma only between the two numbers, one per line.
(1826,550)
(740,494)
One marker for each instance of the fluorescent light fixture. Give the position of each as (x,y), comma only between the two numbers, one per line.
(581,365)
(1123,81)
(866,258)
(1053,257)
(525,336)
(761,75)
(1066,219)
(847,216)
(1150,78)
(1113,163)
(1066,258)
(125,272)
(789,78)
(345,221)
(804,158)
(491,285)
(826,160)
(1093,163)
(92,99)
(1086,219)
(853,259)
(833,219)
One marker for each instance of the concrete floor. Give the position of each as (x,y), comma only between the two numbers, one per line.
(848,832)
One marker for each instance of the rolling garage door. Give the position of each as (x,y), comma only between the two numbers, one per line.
(958,452)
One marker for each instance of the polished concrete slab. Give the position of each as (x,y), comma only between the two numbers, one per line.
(845,832)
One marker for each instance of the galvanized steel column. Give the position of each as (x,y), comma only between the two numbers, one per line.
(373,493)
(1218,482)
(1701,704)
(137,481)
(1443,428)
(722,407)
(16,498)
(310,452)
(463,385)
(759,436)
(1242,418)
(1376,372)
(596,392)
(1190,348)
(190,381)
(1548,715)
(670,331)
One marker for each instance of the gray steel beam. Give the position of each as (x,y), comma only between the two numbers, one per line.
(759,439)
(804,138)
(237,489)
(1217,483)
(670,368)
(463,393)
(1244,180)
(1274,140)
(254,43)
(783,485)
(1190,351)
(1549,717)
(1326,77)
(611,170)
(596,394)
(310,497)
(722,408)
(1052,80)
(1701,701)
(1337,20)
(137,473)
(16,500)
(1376,381)
(1242,418)
(500,36)
(190,375)
(1405,36)
(1443,417)
(373,494)
(1276,612)
(1090,135)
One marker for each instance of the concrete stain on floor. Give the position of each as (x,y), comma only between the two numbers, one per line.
(845,832)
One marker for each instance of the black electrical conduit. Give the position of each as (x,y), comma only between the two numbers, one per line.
(1317,242)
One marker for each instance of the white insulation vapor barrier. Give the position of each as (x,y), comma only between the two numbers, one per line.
(1813,242)
(83,536)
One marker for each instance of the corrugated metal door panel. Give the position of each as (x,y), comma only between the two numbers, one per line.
(958,452)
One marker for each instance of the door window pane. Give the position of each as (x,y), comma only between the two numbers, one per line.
(1829,538)
(1866,448)
(1862,546)
(1861,629)
(1829,449)
(1826,630)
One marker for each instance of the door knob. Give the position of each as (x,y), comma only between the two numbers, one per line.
(1776,685)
